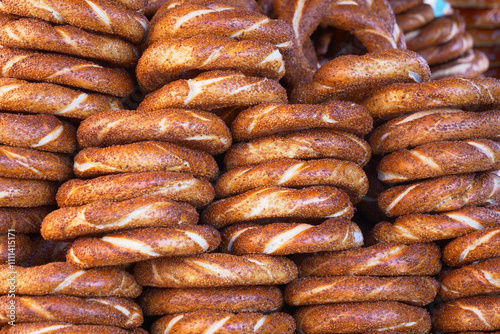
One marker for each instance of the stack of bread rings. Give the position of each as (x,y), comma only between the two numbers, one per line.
(443,158)
(483,23)
(68,300)
(442,41)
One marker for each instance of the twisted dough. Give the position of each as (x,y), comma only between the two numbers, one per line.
(232,299)
(474,3)
(438,31)
(96,15)
(416,228)
(111,311)
(279,203)
(143,157)
(27,193)
(137,5)
(23,220)
(378,260)
(67,279)
(65,328)
(302,144)
(438,125)
(23,96)
(485,18)
(441,194)
(41,132)
(291,238)
(414,290)
(469,94)
(345,175)
(22,250)
(35,34)
(64,70)
(415,17)
(439,159)
(478,313)
(215,270)
(168,185)
(400,6)
(471,65)
(214,90)
(448,51)
(230,323)
(166,60)
(270,118)
(99,217)
(344,77)
(363,317)
(476,246)
(194,129)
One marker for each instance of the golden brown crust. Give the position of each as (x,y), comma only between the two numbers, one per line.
(156,301)
(22,220)
(137,5)
(384,259)
(485,37)
(345,175)
(441,194)
(438,31)
(214,90)
(144,157)
(400,6)
(291,238)
(34,34)
(492,53)
(448,51)
(476,246)
(66,328)
(469,65)
(270,118)
(438,124)
(161,10)
(310,203)
(168,59)
(215,270)
(302,144)
(20,193)
(40,132)
(226,322)
(168,185)
(415,17)
(142,244)
(363,317)
(66,279)
(485,18)
(413,290)
(14,248)
(100,217)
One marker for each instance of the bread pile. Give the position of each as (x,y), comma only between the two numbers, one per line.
(442,41)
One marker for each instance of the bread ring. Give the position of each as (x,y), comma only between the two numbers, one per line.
(23,96)
(400,6)
(64,70)
(20,193)
(441,194)
(438,124)
(414,290)
(66,279)
(168,185)
(467,314)
(469,94)
(35,34)
(66,328)
(167,60)
(485,37)
(98,15)
(99,217)
(469,65)
(214,90)
(41,132)
(204,271)
(112,311)
(345,175)
(270,118)
(194,129)
(378,260)
(363,317)
(14,248)
(474,3)
(142,244)
(143,157)
(343,77)
(415,17)
(291,238)
(448,51)
(302,144)
(219,19)
(439,159)
(438,31)
(492,53)
(22,220)
(485,18)
(137,5)
(311,203)
(475,246)
(416,228)
(232,299)
(226,322)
